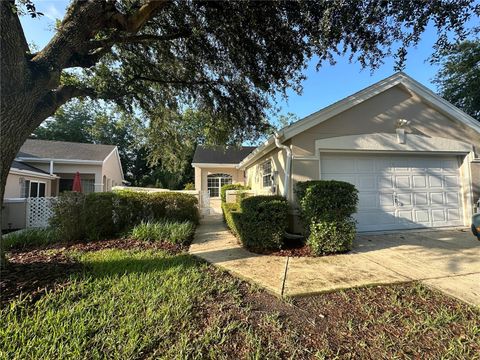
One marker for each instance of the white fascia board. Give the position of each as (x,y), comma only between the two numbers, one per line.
(31,173)
(60,161)
(266,147)
(214,165)
(441,104)
(350,101)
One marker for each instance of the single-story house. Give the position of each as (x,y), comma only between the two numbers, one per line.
(45,168)
(414,157)
(216,166)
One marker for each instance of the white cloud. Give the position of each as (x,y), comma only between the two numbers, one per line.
(52,12)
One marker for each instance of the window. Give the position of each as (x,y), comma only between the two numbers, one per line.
(267,173)
(34,189)
(215,183)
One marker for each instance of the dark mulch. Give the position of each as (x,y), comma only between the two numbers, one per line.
(380,322)
(35,272)
(32,272)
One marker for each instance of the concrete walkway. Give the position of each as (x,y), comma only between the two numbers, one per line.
(448,260)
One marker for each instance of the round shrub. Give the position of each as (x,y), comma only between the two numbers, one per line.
(331,237)
(327,200)
(189,186)
(224,188)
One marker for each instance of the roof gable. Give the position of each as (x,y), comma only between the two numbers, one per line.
(46,149)
(357,98)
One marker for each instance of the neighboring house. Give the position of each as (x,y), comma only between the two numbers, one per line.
(45,168)
(216,166)
(414,157)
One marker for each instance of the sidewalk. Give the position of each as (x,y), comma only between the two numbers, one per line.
(447,260)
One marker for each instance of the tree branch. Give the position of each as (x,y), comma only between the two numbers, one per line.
(140,38)
(133,23)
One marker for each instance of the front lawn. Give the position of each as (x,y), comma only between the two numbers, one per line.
(133,302)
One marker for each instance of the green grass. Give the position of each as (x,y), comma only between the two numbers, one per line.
(130,304)
(29,238)
(169,231)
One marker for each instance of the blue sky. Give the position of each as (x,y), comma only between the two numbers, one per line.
(329,84)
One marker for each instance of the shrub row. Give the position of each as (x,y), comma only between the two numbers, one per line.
(326,208)
(102,215)
(258,221)
(224,188)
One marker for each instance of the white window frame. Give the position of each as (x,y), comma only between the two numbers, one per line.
(267,172)
(27,190)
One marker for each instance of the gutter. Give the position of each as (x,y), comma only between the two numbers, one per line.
(288,166)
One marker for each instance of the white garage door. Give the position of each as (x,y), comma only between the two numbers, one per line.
(400,191)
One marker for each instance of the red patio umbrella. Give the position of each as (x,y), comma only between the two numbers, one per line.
(77,184)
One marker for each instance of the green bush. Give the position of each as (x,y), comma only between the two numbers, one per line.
(189,186)
(29,237)
(331,237)
(326,200)
(105,215)
(326,208)
(168,231)
(224,188)
(68,217)
(231,216)
(258,221)
(99,208)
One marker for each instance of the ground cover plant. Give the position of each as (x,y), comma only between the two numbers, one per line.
(131,300)
(30,238)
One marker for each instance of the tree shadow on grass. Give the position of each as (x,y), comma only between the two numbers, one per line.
(138,265)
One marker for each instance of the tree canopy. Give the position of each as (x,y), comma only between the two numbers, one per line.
(459,76)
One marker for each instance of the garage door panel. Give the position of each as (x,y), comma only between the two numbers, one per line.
(400,191)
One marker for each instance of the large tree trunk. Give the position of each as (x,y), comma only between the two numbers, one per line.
(30,83)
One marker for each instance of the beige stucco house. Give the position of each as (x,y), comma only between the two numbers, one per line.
(414,157)
(44,168)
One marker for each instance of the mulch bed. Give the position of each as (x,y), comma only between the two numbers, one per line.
(32,272)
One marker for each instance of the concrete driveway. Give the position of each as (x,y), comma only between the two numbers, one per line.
(447,260)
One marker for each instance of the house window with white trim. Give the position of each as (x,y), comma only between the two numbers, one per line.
(267,173)
(34,188)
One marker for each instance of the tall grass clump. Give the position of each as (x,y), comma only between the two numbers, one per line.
(169,231)
(30,238)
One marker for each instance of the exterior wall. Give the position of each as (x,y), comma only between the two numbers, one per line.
(475,174)
(13,188)
(377,115)
(111,171)
(14,212)
(202,173)
(254,172)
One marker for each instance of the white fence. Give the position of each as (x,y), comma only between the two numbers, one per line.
(39,211)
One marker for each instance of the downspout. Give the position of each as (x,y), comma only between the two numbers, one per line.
(288,165)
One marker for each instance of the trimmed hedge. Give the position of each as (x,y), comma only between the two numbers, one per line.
(331,237)
(326,208)
(103,215)
(224,188)
(258,221)
(326,200)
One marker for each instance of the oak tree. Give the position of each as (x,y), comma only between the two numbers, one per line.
(226,58)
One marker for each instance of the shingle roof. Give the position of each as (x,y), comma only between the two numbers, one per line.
(220,155)
(17,165)
(34,148)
